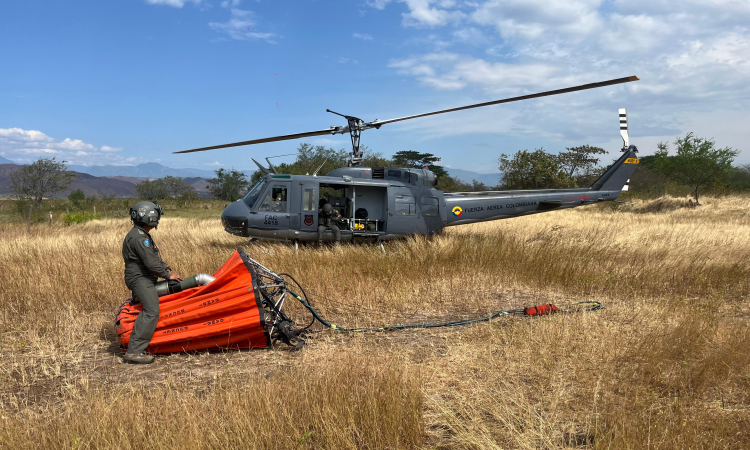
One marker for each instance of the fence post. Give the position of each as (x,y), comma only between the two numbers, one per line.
(94,209)
(28,223)
(66,210)
(50,217)
(105,212)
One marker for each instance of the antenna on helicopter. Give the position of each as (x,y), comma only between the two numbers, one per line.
(270,166)
(263,169)
(624,129)
(315,174)
(355,125)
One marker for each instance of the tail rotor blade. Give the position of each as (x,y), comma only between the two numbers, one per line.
(624,128)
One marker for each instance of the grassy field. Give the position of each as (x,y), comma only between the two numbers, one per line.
(665,366)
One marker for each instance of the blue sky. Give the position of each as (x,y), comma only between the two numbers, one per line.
(130,81)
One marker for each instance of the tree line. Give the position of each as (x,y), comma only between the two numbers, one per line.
(697,164)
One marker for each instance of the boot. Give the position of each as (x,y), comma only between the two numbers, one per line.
(140,358)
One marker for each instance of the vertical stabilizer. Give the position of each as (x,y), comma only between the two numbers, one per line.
(617,177)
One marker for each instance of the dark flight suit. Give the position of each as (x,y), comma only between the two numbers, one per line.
(143,266)
(328,221)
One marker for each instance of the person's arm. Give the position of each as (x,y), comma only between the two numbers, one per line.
(143,248)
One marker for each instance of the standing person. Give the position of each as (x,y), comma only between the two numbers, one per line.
(143,266)
(328,218)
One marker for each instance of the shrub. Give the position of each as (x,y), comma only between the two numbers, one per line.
(80,217)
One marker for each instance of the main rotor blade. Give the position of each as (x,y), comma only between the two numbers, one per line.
(285,137)
(583,87)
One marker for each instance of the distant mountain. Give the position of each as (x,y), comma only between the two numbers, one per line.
(89,184)
(147,170)
(489,179)
(5,161)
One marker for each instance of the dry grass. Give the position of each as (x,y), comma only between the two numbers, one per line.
(667,365)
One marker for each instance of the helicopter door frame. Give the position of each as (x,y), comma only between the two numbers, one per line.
(309,206)
(274,215)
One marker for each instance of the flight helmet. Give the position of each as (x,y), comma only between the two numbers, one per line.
(327,208)
(146,213)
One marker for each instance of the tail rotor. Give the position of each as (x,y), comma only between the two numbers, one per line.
(624,129)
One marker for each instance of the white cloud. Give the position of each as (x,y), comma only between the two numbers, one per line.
(364,37)
(73,144)
(239,27)
(378,4)
(539,18)
(425,13)
(36,151)
(175,3)
(451,71)
(27,145)
(421,13)
(215,163)
(693,58)
(471,36)
(20,135)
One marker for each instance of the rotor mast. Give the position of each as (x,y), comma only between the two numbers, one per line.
(354,126)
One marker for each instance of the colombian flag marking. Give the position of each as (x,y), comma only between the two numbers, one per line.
(457,211)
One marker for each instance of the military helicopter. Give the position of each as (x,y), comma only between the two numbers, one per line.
(384,203)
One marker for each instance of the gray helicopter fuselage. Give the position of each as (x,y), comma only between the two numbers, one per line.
(390,203)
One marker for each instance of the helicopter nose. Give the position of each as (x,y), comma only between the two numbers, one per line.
(235,218)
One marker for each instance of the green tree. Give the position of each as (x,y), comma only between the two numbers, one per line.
(228,185)
(448,183)
(533,170)
(581,163)
(151,190)
(77,198)
(417,160)
(41,178)
(310,157)
(178,188)
(698,163)
(167,187)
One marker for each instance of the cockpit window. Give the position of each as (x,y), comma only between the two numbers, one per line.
(254,193)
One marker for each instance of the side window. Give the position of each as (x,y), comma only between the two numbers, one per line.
(394,173)
(308,200)
(406,205)
(278,199)
(429,206)
(266,204)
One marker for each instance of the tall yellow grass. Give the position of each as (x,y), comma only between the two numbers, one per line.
(666,365)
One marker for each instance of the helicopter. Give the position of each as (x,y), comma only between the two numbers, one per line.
(385,203)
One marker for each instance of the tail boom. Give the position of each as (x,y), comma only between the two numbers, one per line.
(473,207)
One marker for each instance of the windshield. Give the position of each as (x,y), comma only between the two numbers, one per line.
(254,193)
